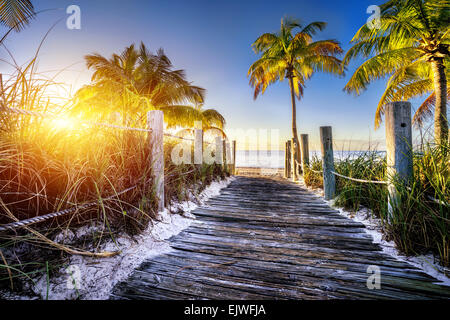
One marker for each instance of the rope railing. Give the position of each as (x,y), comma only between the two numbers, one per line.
(45,217)
(53,117)
(350,178)
(359,180)
(375,182)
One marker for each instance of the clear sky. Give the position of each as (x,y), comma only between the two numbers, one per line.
(212,40)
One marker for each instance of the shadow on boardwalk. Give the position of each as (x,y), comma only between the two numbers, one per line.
(264,238)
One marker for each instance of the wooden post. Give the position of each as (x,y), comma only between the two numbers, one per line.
(224,154)
(155,120)
(305,151)
(293,163)
(228,156)
(2,91)
(329,180)
(288,159)
(219,150)
(198,144)
(398,147)
(1,87)
(234,157)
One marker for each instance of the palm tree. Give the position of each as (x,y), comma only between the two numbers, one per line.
(133,82)
(411,46)
(185,116)
(15,14)
(295,56)
(413,81)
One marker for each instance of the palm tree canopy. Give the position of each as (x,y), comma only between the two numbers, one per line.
(136,81)
(287,53)
(133,78)
(186,116)
(16,14)
(411,33)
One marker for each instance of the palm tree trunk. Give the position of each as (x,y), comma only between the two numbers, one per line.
(294,126)
(440,109)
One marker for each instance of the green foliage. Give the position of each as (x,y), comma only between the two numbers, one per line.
(420,219)
(290,54)
(137,80)
(46,168)
(411,35)
(16,14)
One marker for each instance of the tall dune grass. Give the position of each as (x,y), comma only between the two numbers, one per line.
(45,168)
(420,221)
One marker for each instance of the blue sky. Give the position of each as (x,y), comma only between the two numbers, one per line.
(211,40)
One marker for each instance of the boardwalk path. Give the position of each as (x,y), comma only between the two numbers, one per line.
(271,239)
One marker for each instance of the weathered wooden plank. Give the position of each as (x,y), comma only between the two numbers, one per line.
(272,239)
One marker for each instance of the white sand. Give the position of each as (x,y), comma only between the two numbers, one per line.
(427,263)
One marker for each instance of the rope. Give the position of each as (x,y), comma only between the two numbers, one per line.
(50,116)
(358,180)
(26,222)
(377,182)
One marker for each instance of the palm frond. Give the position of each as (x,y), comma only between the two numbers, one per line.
(16,14)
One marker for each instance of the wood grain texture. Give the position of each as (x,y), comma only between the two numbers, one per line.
(266,238)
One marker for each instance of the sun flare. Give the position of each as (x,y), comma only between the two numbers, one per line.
(63,124)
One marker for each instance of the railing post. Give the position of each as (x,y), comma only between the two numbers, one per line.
(224,154)
(329,180)
(2,95)
(228,156)
(155,122)
(305,151)
(287,156)
(198,143)
(234,158)
(293,161)
(218,156)
(286,159)
(398,147)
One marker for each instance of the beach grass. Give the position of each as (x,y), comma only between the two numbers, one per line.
(419,222)
(47,167)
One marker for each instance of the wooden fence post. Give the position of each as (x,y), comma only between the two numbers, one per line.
(293,161)
(398,147)
(224,154)
(228,156)
(286,159)
(304,143)
(218,156)
(234,157)
(198,144)
(155,121)
(287,169)
(329,180)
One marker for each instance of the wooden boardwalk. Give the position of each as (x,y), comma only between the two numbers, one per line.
(264,238)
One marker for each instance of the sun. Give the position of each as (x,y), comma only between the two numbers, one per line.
(63,124)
